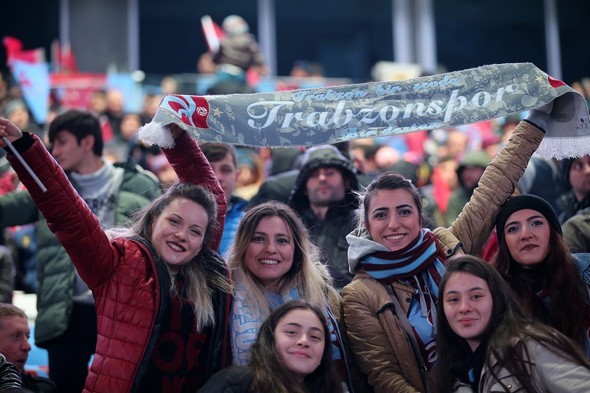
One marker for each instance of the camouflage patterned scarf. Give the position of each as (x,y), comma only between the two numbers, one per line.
(317,116)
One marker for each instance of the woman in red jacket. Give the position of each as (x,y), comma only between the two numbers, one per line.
(161,292)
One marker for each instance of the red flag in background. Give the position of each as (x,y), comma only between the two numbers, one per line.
(73,89)
(67,59)
(62,58)
(15,52)
(213,33)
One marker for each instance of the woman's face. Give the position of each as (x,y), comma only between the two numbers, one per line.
(393,218)
(299,338)
(178,232)
(468,306)
(527,234)
(269,255)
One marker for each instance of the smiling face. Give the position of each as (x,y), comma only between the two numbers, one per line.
(527,234)
(468,303)
(14,340)
(299,338)
(393,218)
(269,255)
(178,232)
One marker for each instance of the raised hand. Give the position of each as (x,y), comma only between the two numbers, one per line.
(9,133)
(8,130)
(175,130)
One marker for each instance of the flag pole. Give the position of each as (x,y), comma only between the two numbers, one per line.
(22,161)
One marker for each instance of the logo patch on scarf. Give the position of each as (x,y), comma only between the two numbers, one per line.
(192,110)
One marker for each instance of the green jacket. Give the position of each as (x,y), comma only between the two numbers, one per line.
(576,232)
(55,271)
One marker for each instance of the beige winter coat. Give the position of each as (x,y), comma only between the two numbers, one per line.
(378,340)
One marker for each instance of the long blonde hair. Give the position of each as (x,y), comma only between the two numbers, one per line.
(308,275)
(206,271)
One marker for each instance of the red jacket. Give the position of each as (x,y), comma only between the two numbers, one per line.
(122,272)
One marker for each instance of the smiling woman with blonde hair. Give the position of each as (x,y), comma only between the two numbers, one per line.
(271,261)
(160,289)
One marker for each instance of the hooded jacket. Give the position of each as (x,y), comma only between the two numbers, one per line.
(376,335)
(129,284)
(330,233)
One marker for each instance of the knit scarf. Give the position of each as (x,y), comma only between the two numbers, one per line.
(469,367)
(309,117)
(246,319)
(419,265)
(99,190)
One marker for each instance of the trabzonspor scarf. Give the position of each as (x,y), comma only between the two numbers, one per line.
(317,116)
(420,266)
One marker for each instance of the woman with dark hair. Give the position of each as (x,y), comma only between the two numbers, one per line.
(486,343)
(271,261)
(292,354)
(161,293)
(389,307)
(535,261)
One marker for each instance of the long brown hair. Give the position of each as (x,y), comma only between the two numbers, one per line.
(506,336)
(561,280)
(270,375)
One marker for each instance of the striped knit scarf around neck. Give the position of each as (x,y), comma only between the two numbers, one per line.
(420,266)
(418,263)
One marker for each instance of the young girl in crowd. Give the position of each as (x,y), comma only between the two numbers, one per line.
(271,261)
(536,263)
(292,354)
(160,292)
(486,343)
(389,307)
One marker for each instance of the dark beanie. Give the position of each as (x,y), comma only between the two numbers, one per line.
(527,201)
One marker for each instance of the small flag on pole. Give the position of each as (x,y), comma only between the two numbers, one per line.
(213,33)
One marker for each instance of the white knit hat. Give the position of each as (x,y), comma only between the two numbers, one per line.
(234,25)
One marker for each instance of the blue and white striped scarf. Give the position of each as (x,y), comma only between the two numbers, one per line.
(419,265)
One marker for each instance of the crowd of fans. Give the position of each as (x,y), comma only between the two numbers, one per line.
(379,262)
